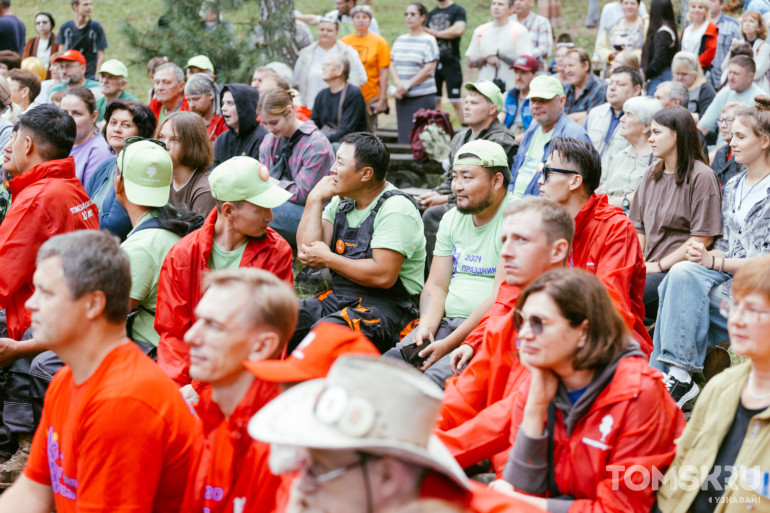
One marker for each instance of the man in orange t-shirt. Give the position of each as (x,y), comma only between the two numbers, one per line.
(374,52)
(115,434)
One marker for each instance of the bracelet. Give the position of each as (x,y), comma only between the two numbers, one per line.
(713,261)
(659,265)
(722,265)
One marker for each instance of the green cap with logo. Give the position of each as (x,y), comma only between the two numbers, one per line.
(484,153)
(488,90)
(239,179)
(201,62)
(147,173)
(114,67)
(545,87)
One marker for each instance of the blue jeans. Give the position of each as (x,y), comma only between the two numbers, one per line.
(592,18)
(688,317)
(653,84)
(286,220)
(762,6)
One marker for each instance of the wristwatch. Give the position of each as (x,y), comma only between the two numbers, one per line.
(626,204)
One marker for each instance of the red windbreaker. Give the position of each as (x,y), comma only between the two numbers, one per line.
(46,200)
(156,107)
(481,498)
(473,417)
(232,468)
(631,425)
(179,288)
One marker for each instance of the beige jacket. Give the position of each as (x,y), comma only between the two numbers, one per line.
(697,448)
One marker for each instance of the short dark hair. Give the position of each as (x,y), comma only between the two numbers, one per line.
(27,79)
(85,95)
(491,171)
(745,62)
(52,130)
(141,114)
(688,148)
(583,156)
(636,77)
(5,4)
(581,297)
(92,260)
(11,59)
(370,151)
(50,18)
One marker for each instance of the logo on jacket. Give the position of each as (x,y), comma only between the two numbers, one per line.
(340,246)
(605,428)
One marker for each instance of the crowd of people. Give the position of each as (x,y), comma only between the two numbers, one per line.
(530,335)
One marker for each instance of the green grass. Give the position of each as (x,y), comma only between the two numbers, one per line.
(113,14)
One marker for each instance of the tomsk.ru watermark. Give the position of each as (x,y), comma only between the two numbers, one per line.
(691,477)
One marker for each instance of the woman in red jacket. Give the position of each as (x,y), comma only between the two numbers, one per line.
(699,37)
(594,426)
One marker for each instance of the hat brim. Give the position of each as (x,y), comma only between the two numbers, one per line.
(146,196)
(540,94)
(280,371)
(274,197)
(289,420)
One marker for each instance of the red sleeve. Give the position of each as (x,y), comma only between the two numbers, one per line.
(277,259)
(173,317)
(710,51)
(503,305)
(22,233)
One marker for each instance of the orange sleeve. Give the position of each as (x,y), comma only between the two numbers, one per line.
(705,59)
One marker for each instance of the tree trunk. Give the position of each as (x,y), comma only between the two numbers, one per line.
(280,30)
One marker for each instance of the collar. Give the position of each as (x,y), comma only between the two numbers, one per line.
(60,168)
(612,113)
(259,394)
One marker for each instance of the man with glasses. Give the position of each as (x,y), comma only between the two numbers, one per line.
(113,80)
(235,234)
(465,260)
(245,316)
(358,450)
(73,67)
(546,103)
(47,200)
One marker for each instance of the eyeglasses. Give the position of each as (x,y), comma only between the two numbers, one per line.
(748,314)
(547,170)
(312,480)
(536,323)
(726,121)
(128,141)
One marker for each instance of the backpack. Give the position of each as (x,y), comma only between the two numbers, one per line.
(422,118)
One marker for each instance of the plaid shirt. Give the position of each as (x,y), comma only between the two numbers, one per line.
(311,159)
(592,95)
(541,36)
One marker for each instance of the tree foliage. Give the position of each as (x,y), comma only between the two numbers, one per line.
(260,31)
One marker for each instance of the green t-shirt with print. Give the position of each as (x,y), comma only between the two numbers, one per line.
(531,162)
(398,227)
(475,252)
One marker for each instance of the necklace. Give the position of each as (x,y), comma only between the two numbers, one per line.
(743,186)
(751,392)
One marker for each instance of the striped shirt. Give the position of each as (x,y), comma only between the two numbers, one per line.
(410,55)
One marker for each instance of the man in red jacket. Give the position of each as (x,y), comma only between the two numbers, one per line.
(47,199)
(244,315)
(366,443)
(603,244)
(168,85)
(235,234)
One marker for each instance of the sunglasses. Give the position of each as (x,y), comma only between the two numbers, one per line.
(536,323)
(128,141)
(547,170)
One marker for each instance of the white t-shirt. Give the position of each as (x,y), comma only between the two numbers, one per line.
(691,38)
(747,197)
(510,40)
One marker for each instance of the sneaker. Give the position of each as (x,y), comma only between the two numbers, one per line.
(11,469)
(682,392)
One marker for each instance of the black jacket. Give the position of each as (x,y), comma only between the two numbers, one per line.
(250,132)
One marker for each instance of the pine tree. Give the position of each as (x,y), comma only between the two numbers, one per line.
(262,34)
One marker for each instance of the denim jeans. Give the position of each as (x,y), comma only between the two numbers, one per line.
(286,221)
(592,18)
(688,317)
(653,84)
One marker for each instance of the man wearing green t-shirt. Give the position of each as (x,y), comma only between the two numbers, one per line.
(465,260)
(372,242)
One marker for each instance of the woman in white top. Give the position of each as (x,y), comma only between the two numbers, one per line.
(627,34)
(44,45)
(700,36)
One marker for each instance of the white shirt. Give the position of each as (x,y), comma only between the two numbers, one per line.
(747,197)
(691,38)
(510,40)
(314,81)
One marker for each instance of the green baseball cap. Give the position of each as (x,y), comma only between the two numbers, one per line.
(147,173)
(238,179)
(114,67)
(485,154)
(488,90)
(200,61)
(545,87)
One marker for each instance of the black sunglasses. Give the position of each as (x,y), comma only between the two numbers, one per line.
(128,141)
(547,170)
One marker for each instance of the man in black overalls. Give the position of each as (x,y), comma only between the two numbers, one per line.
(371,241)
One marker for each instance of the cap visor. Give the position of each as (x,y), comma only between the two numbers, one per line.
(275,196)
(280,371)
(289,420)
(146,196)
(539,94)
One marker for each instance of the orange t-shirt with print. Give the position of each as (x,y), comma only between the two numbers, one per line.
(374,52)
(121,441)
